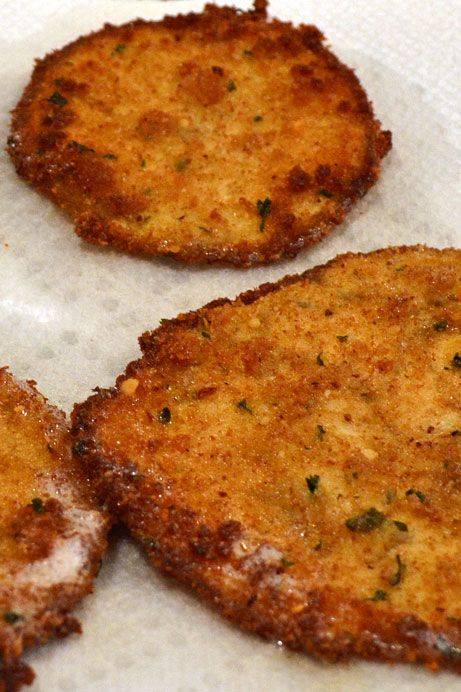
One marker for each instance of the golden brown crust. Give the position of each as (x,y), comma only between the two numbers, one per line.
(242,140)
(292,456)
(52,535)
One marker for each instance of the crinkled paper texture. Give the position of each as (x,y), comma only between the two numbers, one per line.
(70,315)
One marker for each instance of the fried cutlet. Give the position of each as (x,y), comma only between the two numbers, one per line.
(204,137)
(52,535)
(294,456)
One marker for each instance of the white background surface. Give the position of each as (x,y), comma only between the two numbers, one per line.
(70,315)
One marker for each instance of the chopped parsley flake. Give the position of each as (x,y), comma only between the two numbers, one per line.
(286,563)
(440,326)
(421,496)
(37,505)
(231,85)
(313,483)
(379,595)
(325,193)
(80,147)
(248,53)
(363,523)
(396,578)
(264,209)
(150,543)
(181,165)
(205,334)
(258,118)
(11,617)
(321,431)
(400,525)
(79,448)
(343,338)
(58,99)
(112,157)
(319,360)
(457,360)
(119,48)
(243,406)
(391,494)
(165,415)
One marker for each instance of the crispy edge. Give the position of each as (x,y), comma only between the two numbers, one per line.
(179,543)
(286,242)
(54,619)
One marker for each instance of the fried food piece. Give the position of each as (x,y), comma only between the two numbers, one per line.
(294,456)
(205,137)
(52,535)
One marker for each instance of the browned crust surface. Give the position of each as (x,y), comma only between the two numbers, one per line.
(52,534)
(168,137)
(349,372)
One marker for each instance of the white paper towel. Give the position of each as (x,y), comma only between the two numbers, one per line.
(70,315)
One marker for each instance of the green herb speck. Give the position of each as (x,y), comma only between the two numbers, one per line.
(58,99)
(421,496)
(165,415)
(11,617)
(112,157)
(119,48)
(286,563)
(258,118)
(391,494)
(440,326)
(396,578)
(205,334)
(379,595)
(363,523)
(181,165)
(319,360)
(456,361)
(37,505)
(321,431)
(79,448)
(400,525)
(80,147)
(248,53)
(264,209)
(313,483)
(243,406)
(343,338)
(231,85)
(150,543)
(325,193)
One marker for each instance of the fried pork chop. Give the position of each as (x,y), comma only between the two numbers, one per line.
(294,456)
(52,535)
(205,137)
